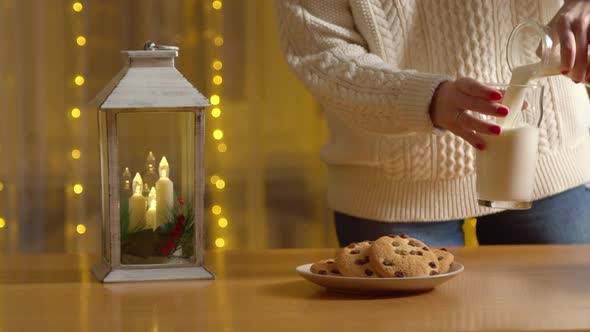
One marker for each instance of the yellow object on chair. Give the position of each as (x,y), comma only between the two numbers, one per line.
(469,232)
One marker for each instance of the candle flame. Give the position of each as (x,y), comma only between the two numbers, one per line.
(137,183)
(152,198)
(127,172)
(127,179)
(151,159)
(164,168)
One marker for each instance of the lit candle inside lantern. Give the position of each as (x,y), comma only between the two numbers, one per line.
(150,176)
(164,193)
(136,205)
(126,183)
(150,214)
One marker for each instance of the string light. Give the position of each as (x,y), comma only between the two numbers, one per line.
(2,222)
(216,4)
(222,222)
(75,113)
(77,7)
(81,229)
(79,80)
(217,134)
(78,188)
(76,154)
(220,184)
(1,186)
(215,100)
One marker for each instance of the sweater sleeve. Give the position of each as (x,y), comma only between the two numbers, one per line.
(330,56)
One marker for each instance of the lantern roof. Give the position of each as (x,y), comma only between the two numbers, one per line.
(149,80)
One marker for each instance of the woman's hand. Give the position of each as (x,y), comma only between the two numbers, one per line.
(452,98)
(571,24)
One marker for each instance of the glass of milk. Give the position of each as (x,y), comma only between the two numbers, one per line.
(506,168)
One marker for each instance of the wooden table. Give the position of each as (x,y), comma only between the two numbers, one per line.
(504,288)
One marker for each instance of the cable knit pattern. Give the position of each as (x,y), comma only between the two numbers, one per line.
(503,14)
(374,66)
(390,27)
(394,163)
(419,157)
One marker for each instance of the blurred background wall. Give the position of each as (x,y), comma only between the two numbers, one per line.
(265,183)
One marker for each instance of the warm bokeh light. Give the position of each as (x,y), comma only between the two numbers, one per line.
(2,222)
(79,80)
(77,6)
(216,209)
(216,4)
(219,242)
(217,79)
(76,154)
(217,134)
(218,41)
(222,222)
(76,113)
(217,65)
(216,112)
(215,100)
(1,186)
(81,41)
(220,184)
(221,147)
(81,229)
(78,188)
(214,179)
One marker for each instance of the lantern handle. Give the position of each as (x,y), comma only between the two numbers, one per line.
(152,46)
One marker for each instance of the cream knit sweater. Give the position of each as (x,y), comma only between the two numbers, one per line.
(374,66)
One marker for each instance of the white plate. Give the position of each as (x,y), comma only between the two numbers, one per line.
(379,285)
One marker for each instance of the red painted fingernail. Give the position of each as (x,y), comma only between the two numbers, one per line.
(502,110)
(565,72)
(496,95)
(480,146)
(496,130)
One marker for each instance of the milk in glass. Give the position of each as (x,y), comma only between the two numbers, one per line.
(506,169)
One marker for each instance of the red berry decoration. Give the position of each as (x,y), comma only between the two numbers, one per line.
(180,218)
(165,251)
(181,201)
(175,233)
(170,244)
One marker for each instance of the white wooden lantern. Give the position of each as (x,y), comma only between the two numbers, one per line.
(151,123)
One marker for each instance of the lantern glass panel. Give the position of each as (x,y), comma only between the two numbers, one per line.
(156,163)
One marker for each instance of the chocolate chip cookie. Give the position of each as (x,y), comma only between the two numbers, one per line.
(353,260)
(399,256)
(444,258)
(325,267)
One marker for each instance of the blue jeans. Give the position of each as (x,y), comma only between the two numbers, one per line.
(563,218)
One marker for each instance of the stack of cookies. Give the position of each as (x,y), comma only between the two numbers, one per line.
(392,256)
